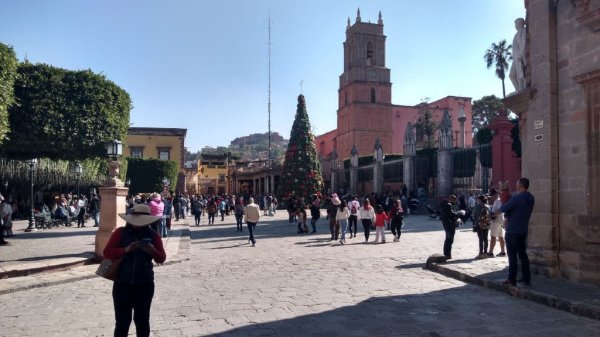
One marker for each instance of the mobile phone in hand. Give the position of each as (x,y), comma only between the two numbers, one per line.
(146,241)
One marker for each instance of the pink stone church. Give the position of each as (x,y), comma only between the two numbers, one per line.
(365,109)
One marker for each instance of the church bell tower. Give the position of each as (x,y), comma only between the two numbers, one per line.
(365,94)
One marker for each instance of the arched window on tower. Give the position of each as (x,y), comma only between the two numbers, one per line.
(370,53)
(346,98)
(372,95)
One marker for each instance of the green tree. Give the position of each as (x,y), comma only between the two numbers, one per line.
(63,114)
(8,73)
(498,56)
(426,126)
(484,110)
(301,172)
(146,174)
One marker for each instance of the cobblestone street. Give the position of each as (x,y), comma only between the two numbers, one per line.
(298,285)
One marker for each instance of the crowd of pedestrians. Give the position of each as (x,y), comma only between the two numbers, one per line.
(492,215)
(344,213)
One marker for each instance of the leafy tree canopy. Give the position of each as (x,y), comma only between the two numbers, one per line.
(146,175)
(497,56)
(8,72)
(484,110)
(64,114)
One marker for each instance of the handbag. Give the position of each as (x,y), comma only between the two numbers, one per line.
(109,269)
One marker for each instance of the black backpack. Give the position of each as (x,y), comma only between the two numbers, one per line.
(398,216)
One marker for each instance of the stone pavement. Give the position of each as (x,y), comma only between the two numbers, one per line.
(59,250)
(297,285)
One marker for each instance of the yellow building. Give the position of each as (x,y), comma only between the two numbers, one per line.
(213,174)
(158,143)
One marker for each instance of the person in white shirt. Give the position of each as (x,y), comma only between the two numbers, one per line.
(342,217)
(353,206)
(496,227)
(80,210)
(252,213)
(366,214)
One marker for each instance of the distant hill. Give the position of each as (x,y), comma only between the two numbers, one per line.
(256,146)
(252,147)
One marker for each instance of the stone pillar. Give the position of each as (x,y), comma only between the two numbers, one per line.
(408,159)
(354,170)
(539,136)
(462,117)
(334,163)
(378,167)
(112,202)
(266,184)
(445,174)
(273,183)
(505,164)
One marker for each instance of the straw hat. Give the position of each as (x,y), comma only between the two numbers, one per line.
(140,216)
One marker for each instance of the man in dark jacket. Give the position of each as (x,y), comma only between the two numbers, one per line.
(518,210)
(449,220)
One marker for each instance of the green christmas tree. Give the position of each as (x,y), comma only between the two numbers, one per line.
(301,174)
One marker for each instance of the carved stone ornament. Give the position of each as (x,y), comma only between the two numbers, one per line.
(588,13)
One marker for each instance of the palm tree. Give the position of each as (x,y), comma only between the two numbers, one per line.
(498,55)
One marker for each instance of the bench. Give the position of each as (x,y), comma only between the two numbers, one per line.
(44,220)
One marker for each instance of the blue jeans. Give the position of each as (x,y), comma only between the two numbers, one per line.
(162,229)
(344,226)
(251,228)
(96,216)
(516,246)
(238,220)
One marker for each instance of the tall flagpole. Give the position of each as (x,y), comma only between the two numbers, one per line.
(269,109)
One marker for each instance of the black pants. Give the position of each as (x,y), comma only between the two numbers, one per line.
(211,218)
(482,234)
(136,297)
(367,227)
(222,214)
(352,223)
(450,231)
(516,245)
(197,218)
(334,228)
(313,223)
(396,227)
(80,217)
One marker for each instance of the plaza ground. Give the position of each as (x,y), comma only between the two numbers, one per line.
(215,284)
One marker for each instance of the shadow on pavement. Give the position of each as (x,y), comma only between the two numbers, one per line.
(449,312)
(50,257)
(53,234)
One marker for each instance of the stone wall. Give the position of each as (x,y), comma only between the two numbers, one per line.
(558,140)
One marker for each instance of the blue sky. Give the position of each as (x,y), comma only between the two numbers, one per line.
(202,65)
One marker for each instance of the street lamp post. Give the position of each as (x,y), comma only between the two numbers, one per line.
(112,196)
(78,171)
(31,227)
